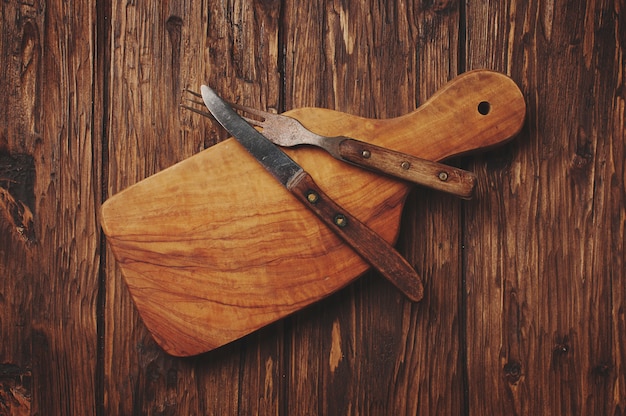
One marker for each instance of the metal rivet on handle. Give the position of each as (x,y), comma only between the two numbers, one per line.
(366,154)
(341,220)
(443,176)
(405,165)
(312,197)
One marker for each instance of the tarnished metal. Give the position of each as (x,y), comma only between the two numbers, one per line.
(287,131)
(274,160)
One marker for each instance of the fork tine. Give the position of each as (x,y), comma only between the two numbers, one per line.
(197,94)
(253,121)
(198,102)
(236,106)
(259,113)
(195,110)
(191,100)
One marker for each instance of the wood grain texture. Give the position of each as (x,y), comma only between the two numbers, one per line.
(49,334)
(545,245)
(17,189)
(524,303)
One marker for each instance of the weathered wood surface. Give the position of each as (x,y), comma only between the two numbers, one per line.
(524,286)
(545,269)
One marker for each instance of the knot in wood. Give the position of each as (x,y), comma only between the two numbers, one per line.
(512,371)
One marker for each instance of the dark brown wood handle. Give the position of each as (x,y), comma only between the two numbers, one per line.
(365,242)
(410,168)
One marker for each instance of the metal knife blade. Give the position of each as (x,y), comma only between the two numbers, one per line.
(364,241)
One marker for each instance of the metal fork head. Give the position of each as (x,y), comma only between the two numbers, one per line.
(281,130)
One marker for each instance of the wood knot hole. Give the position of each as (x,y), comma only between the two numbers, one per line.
(484,108)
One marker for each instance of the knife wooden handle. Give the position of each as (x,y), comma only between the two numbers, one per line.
(410,168)
(365,242)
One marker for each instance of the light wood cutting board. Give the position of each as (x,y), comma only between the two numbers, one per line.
(214,248)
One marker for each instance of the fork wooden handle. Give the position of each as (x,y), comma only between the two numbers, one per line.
(410,168)
(366,243)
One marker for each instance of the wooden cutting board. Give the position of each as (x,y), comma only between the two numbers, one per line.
(214,248)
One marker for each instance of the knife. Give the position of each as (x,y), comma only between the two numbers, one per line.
(364,241)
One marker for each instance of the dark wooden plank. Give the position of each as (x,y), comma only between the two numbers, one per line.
(159,50)
(49,242)
(367,349)
(18,65)
(545,237)
(66,282)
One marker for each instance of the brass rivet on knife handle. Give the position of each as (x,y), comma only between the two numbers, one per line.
(365,242)
(401,165)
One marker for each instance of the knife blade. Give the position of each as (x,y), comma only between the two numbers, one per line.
(364,241)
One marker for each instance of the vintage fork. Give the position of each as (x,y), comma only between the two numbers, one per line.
(287,131)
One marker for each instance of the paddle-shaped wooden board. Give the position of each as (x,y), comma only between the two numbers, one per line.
(214,248)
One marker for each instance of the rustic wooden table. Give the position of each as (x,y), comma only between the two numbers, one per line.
(525,288)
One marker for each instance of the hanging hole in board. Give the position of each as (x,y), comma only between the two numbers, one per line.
(484,107)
